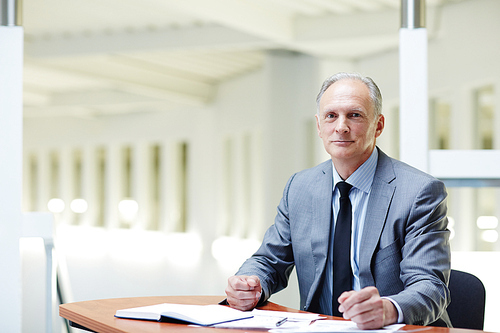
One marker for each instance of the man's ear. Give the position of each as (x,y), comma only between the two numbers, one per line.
(318,128)
(380,125)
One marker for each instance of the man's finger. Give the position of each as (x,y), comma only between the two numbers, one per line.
(243,282)
(351,298)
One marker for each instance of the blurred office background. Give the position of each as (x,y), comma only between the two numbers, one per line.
(160,134)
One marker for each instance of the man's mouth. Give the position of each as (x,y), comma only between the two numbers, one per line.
(342,143)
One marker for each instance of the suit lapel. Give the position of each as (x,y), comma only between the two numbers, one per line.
(380,199)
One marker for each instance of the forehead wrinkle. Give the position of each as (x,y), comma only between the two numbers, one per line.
(337,108)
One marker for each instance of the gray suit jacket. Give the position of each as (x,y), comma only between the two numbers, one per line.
(404,250)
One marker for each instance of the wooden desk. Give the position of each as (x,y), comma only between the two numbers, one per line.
(99,316)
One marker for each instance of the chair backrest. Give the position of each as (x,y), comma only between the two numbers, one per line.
(468,298)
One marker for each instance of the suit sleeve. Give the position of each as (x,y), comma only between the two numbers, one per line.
(273,262)
(425,264)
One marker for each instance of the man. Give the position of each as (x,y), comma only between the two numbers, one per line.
(399,254)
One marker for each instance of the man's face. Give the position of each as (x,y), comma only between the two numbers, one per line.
(346,122)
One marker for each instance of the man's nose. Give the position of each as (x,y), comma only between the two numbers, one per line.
(342,126)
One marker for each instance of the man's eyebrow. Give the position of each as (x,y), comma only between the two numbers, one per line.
(360,110)
(327,110)
(354,109)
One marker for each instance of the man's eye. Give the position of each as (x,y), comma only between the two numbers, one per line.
(355,115)
(330,116)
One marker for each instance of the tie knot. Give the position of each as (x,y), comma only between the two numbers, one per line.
(344,188)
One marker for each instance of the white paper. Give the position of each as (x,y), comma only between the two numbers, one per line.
(336,326)
(265,319)
(289,315)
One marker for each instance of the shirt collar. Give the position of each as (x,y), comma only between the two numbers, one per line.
(362,178)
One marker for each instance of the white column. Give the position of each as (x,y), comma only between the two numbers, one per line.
(468,216)
(239,190)
(257,225)
(66,179)
(170,190)
(462,118)
(496,117)
(496,145)
(165,184)
(413,85)
(88,184)
(11,147)
(114,185)
(223,213)
(141,183)
(291,88)
(27,179)
(43,178)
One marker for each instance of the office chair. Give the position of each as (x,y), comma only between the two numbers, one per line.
(468,298)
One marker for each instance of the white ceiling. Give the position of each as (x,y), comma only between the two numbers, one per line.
(96,57)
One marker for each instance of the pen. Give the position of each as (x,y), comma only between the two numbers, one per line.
(282,321)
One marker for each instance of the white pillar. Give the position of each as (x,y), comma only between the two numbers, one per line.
(27,179)
(462,118)
(257,226)
(291,87)
(496,117)
(66,180)
(496,145)
(223,190)
(114,185)
(165,185)
(11,123)
(414,116)
(89,184)
(240,189)
(43,179)
(141,183)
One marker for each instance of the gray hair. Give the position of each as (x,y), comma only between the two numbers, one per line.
(375,95)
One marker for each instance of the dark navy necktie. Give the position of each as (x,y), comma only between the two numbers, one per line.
(342,272)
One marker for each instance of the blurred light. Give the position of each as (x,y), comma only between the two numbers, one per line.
(184,249)
(452,233)
(128,209)
(487,222)
(89,243)
(451,227)
(79,206)
(137,246)
(232,251)
(451,222)
(490,236)
(56,205)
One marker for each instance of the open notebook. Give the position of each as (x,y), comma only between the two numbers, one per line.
(204,315)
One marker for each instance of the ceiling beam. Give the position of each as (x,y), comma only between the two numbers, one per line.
(155,86)
(357,25)
(317,36)
(190,38)
(245,15)
(340,27)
